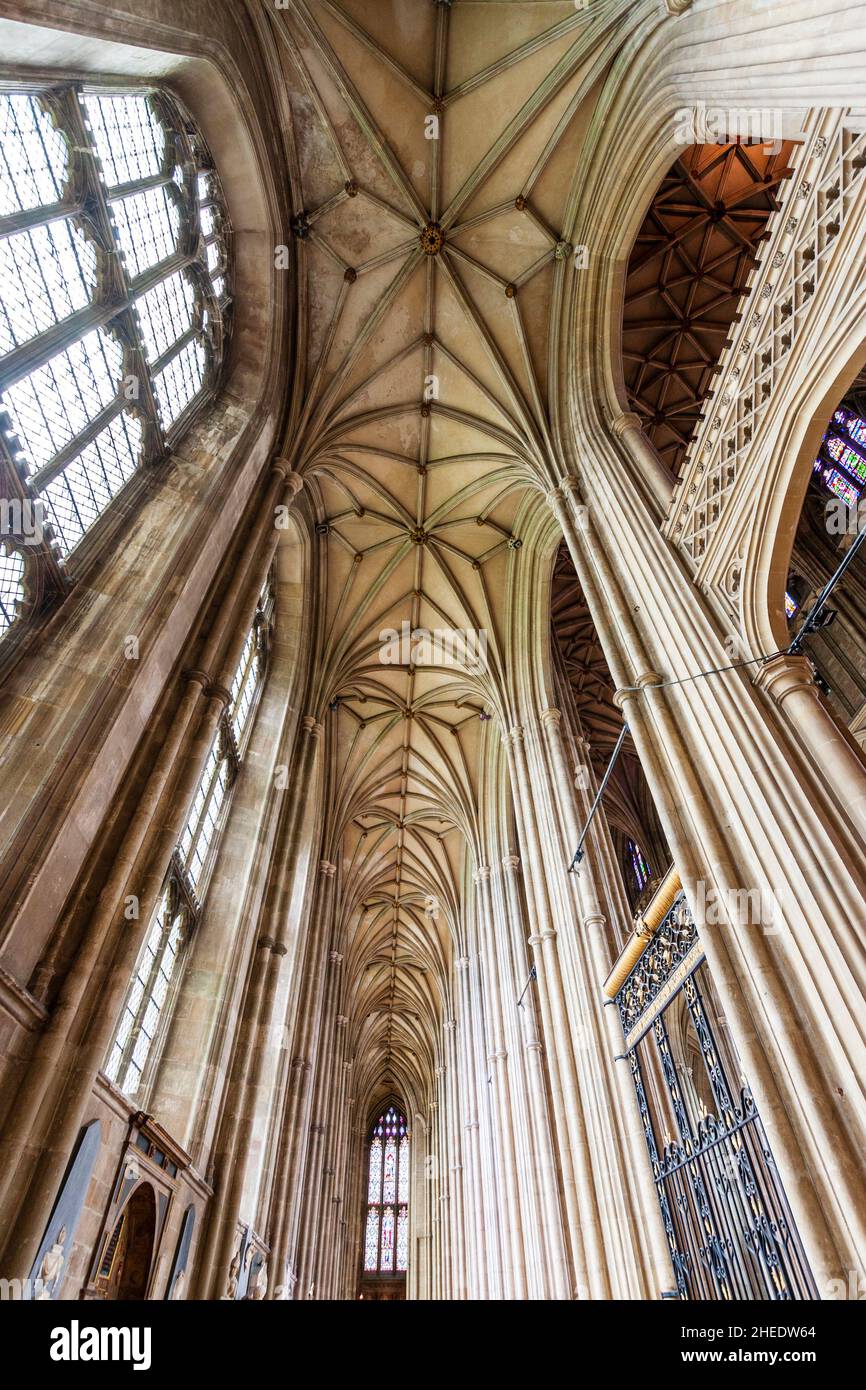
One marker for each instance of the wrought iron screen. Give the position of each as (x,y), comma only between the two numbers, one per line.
(726,1217)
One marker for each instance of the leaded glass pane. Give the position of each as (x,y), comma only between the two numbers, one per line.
(244,685)
(140,1017)
(371,1241)
(52,405)
(11,584)
(402,1240)
(403,1185)
(374,1186)
(179,382)
(389,1183)
(47,272)
(81,492)
(207,805)
(148,225)
(33,155)
(128,137)
(165,314)
(386,1262)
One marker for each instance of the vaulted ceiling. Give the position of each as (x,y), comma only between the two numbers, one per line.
(435,148)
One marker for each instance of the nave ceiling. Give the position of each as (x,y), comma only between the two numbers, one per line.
(426,268)
(434,150)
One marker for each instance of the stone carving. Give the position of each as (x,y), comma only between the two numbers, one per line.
(234,1275)
(729,445)
(51,1267)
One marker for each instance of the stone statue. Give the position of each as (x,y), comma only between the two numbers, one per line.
(179,1283)
(49,1272)
(260,1287)
(234,1275)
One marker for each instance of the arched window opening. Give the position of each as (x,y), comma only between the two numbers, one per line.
(639,866)
(114,300)
(833,511)
(386,1231)
(148,1000)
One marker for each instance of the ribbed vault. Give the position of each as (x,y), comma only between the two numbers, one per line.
(434,150)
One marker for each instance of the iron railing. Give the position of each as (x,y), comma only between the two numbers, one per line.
(729,1228)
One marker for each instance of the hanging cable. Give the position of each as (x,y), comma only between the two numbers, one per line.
(814,621)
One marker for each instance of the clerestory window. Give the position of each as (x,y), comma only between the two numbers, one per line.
(114,310)
(148,999)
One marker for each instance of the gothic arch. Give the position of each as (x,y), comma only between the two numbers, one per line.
(788,457)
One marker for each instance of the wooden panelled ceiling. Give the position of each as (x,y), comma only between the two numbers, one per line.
(687,270)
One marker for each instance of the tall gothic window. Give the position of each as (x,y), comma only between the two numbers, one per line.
(155,977)
(114,307)
(639,866)
(386,1232)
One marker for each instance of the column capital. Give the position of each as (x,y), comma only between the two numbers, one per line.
(551,718)
(784,675)
(642,682)
(341,1021)
(594,919)
(194,675)
(628,420)
(462,963)
(676,7)
(481,874)
(555,499)
(215,691)
(326,868)
(336,957)
(450,1025)
(511,863)
(312,726)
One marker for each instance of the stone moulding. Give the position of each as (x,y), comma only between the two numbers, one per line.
(754,365)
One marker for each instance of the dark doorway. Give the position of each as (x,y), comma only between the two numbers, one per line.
(130,1249)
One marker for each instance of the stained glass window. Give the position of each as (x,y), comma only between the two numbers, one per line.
(640,868)
(791,606)
(841,461)
(180,904)
(114,294)
(386,1232)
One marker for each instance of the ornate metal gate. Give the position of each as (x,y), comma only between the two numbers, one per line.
(727,1220)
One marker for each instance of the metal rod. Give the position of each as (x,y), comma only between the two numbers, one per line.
(533,975)
(578,853)
(810,621)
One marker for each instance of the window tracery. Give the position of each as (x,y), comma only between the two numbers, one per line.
(386,1231)
(114,305)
